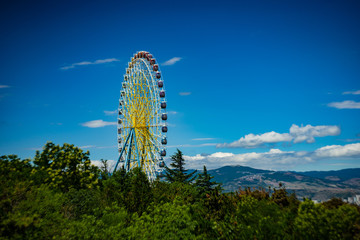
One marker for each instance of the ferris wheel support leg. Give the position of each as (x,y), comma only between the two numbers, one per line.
(122,152)
(137,150)
(128,156)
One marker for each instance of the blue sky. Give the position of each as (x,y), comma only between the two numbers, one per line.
(266,84)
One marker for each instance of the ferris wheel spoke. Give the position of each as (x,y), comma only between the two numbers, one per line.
(155,143)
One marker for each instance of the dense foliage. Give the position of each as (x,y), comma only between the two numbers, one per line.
(60,195)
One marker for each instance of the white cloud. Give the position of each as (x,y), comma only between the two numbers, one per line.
(203,139)
(170,124)
(184,93)
(252,140)
(349,150)
(108,60)
(87,146)
(113,146)
(172,113)
(308,132)
(4,86)
(97,124)
(352,92)
(192,145)
(108,113)
(350,140)
(296,134)
(171,61)
(345,105)
(99,61)
(274,158)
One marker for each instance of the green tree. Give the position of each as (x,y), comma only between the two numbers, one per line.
(204,183)
(333,203)
(171,220)
(131,189)
(259,193)
(254,219)
(280,196)
(12,168)
(37,216)
(116,187)
(81,202)
(65,167)
(15,182)
(314,221)
(111,223)
(139,195)
(218,205)
(167,192)
(178,173)
(104,169)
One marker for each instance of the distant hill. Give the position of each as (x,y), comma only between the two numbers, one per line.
(339,175)
(319,185)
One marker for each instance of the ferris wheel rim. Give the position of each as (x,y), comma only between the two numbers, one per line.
(153,134)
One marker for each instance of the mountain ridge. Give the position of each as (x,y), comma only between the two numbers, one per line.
(320,185)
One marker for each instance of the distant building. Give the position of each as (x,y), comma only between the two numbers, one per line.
(350,200)
(357,200)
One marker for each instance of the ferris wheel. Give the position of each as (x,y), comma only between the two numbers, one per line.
(142,117)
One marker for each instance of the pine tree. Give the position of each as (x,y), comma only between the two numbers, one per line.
(178,173)
(204,183)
